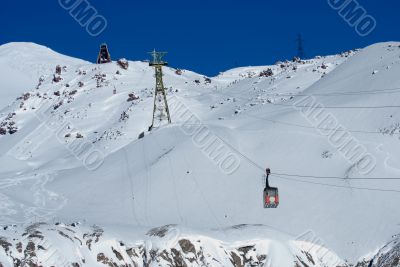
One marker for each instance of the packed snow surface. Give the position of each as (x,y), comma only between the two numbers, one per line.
(70,149)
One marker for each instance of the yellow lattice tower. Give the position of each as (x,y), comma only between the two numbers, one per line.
(160,111)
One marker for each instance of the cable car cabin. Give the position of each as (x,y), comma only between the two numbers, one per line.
(104,55)
(271,194)
(271,197)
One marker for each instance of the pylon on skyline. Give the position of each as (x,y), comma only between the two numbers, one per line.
(300,47)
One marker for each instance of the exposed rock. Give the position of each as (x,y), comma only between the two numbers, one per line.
(58,69)
(59,104)
(132,97)
(187,246)
(388,256)
(266,73)
(124,116)
(123,63)
(57,78)
(6,245)
(296,59)
(160,231)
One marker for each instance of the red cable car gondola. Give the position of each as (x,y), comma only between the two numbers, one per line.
(271,194)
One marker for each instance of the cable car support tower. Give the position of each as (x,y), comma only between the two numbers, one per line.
(161,113)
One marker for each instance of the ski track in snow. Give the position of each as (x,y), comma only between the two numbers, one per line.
(42,205)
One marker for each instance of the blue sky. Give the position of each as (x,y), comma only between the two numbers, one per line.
(205,36)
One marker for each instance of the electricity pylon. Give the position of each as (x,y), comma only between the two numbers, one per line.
(300,47)
(160,111)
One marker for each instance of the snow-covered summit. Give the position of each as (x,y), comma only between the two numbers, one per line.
(22,64)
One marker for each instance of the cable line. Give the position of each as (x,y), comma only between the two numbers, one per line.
(318,128)
(302,181)
(338,107)
(309,176)
(343,186)
(373,92)
(337,177)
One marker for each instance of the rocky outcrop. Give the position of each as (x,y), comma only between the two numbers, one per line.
(58,244)
(388,256)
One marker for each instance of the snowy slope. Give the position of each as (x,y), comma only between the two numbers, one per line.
(23,64)
(166,178)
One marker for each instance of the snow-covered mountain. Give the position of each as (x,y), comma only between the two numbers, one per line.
(69,152)
(77,245)
(21,66)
